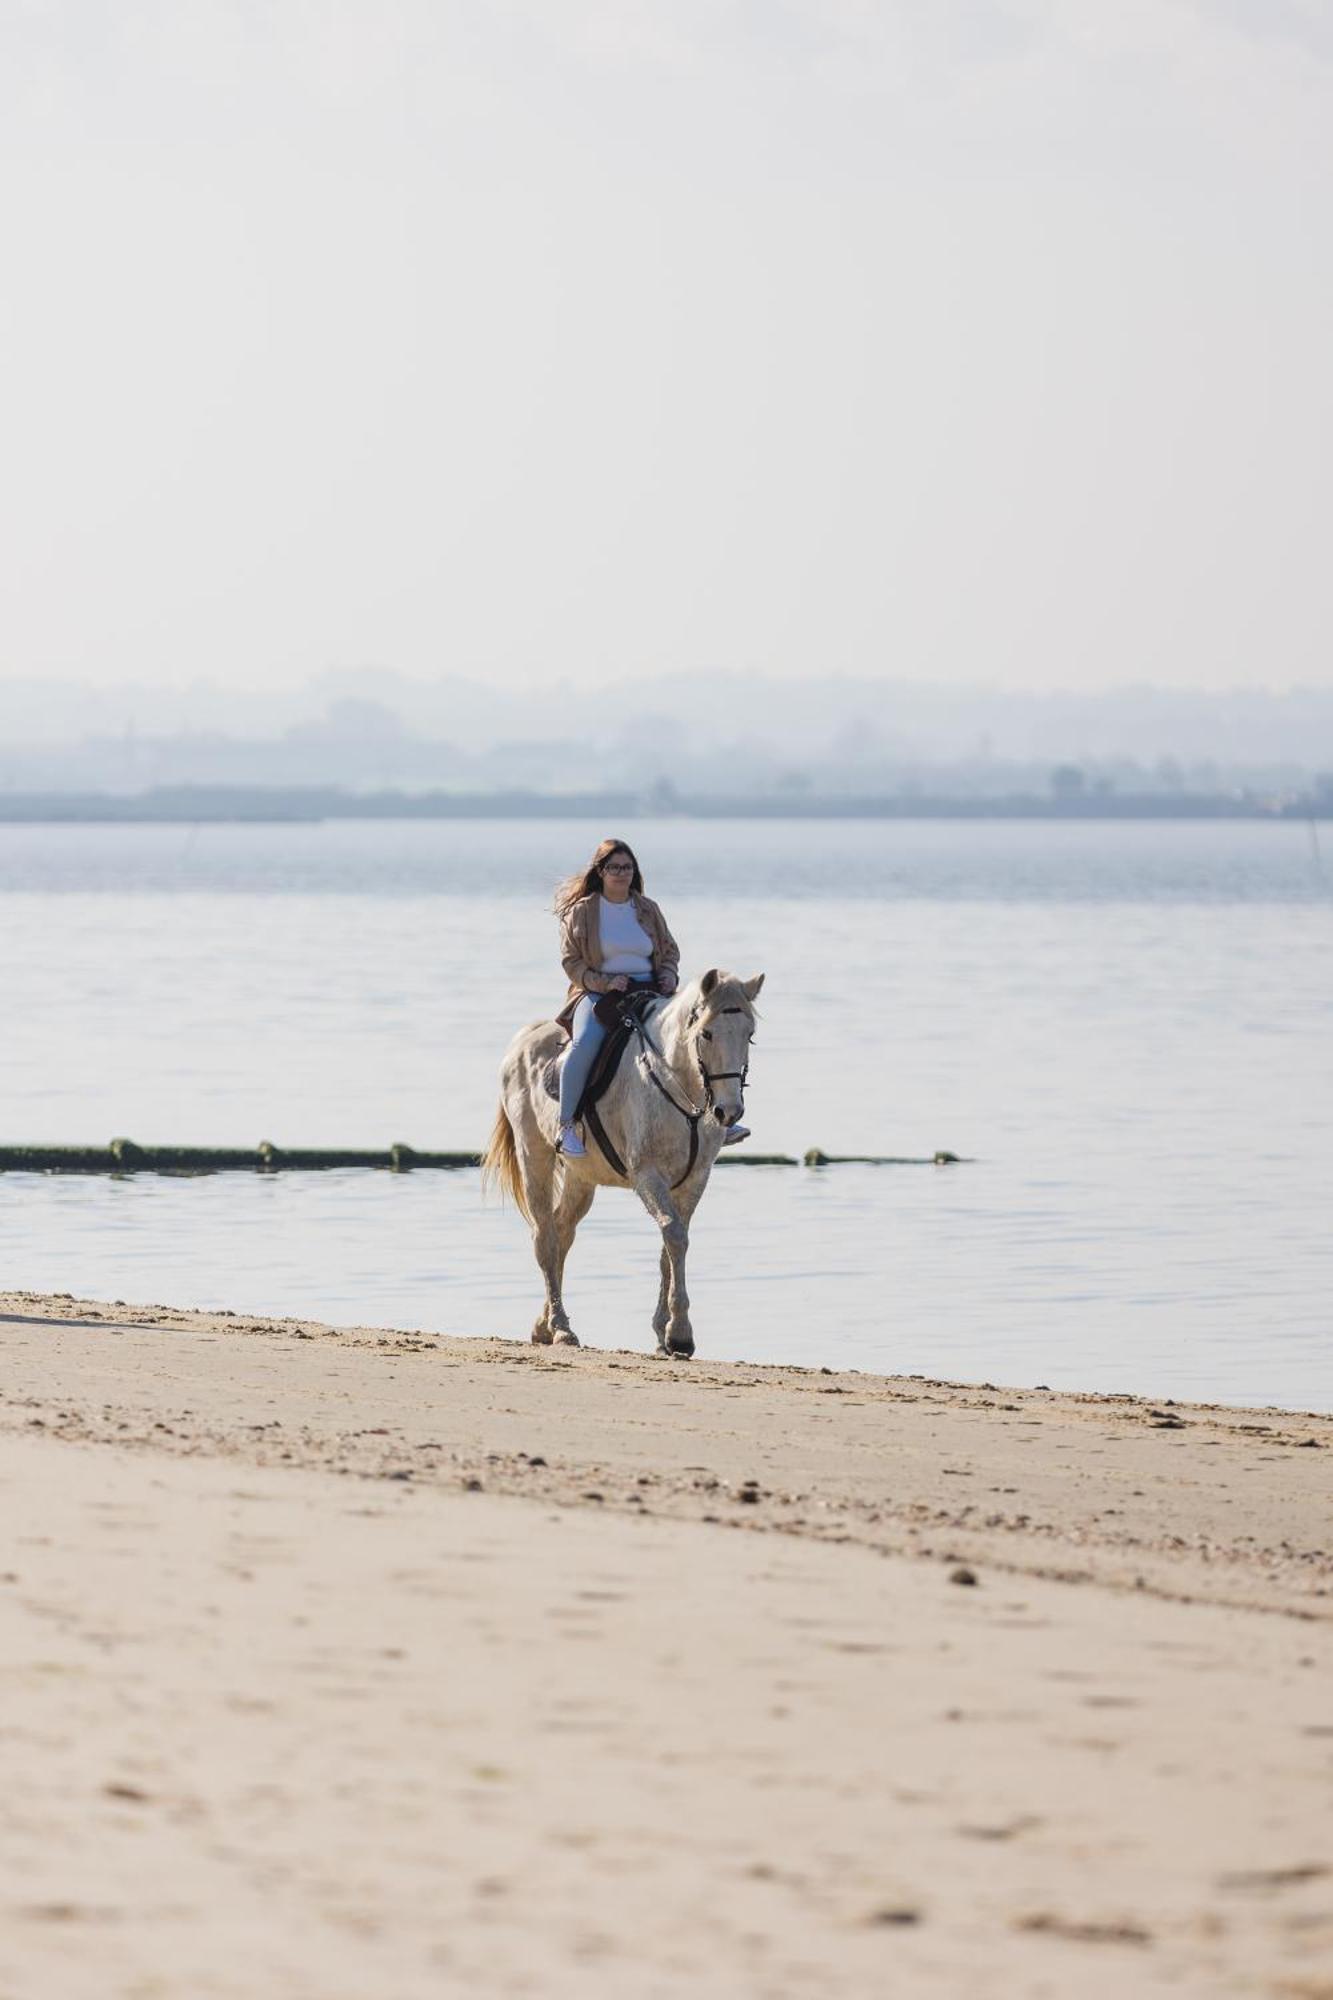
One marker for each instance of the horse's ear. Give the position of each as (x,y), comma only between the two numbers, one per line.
(750,987)
(709,981)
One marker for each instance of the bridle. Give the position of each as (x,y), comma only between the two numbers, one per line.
(712,1076)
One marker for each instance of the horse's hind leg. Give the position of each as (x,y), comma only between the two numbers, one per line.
(552,1245)
(536,1167)
(552,1322)
(573,1204)
(553,1226)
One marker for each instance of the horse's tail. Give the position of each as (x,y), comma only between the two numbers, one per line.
(499,1164)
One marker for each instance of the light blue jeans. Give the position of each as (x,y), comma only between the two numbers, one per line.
(588,1036)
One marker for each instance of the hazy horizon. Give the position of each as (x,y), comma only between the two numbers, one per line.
(720,733)
(625,338)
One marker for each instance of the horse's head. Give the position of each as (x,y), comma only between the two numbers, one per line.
(720,1026)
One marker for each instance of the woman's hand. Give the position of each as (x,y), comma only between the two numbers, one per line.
(620,984)
(666,982)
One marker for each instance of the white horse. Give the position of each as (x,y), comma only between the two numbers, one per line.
(677,1089)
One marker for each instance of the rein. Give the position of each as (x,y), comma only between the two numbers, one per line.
(709,1077)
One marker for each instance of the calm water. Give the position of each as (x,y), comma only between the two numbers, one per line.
(1128,1026)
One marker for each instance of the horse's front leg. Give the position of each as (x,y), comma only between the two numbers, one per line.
(671,1321)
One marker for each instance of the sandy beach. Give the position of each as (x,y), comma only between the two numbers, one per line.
(345,1662)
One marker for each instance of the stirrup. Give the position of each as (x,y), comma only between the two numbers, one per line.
(734,1134)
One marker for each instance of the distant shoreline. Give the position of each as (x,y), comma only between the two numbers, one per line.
(195,804)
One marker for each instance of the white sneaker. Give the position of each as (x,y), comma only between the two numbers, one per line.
(734,1134)
(571,1143)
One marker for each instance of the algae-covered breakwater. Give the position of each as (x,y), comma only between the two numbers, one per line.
(125,1156)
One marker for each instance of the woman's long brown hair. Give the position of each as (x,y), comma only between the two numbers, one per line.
(588,881)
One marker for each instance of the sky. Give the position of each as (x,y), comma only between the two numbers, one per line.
(940,341)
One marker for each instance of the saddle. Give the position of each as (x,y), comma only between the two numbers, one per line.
(619,1014)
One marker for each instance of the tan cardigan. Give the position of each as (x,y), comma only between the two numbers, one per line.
(581,949)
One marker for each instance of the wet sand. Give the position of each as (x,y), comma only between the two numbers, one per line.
(345,1662)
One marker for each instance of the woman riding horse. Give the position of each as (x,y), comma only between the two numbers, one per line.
(613,939)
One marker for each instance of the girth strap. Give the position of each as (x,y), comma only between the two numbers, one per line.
(592,1119)
(599,1133)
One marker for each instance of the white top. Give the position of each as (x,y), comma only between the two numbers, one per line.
(626,945)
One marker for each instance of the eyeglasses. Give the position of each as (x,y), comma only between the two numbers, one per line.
(617,868)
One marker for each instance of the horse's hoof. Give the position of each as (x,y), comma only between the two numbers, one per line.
(542,1336)
(567,1339)
(685,1349)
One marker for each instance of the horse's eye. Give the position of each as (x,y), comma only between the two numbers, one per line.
(707,1035)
